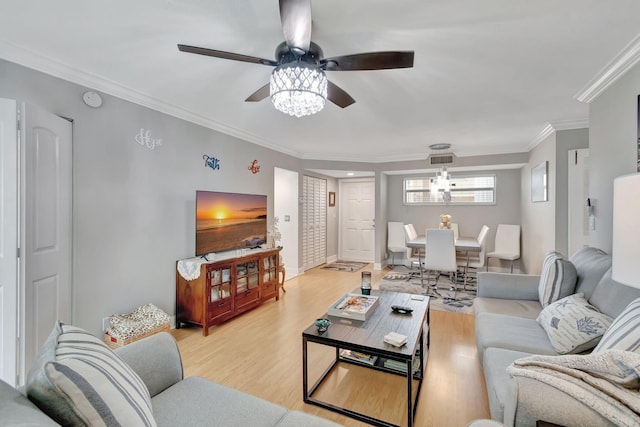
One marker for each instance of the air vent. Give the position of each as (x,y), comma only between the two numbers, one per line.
(441,159)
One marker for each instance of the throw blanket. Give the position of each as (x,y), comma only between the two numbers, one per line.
(608,381)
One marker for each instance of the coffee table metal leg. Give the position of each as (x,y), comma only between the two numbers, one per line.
(305,371)
(409,397)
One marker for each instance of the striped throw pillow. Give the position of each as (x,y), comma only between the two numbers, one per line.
(557,280)
(78,380)
(624,332)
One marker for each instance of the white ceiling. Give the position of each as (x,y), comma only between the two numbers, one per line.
(489,76)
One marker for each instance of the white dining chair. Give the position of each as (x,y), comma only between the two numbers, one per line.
(507,244)
(456,230)
(396,241)
(468,261)
(411,234)
(441,258)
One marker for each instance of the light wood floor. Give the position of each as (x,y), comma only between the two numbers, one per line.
(260,352)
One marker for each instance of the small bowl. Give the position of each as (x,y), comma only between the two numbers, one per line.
(322,325)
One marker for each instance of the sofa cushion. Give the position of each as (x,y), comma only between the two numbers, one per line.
(497,379)
(573,325)
(591,264)
(511,332)
(78,380)
(624,332)
(557,279)
(196,401)
(519,308)
(17,410)
(611,297)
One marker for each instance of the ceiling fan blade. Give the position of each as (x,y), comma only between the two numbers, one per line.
(338,96)
(226,55)
(295,16)
(259,95)
(370,61)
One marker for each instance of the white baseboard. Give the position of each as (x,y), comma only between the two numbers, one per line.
(291,276)
(332,258)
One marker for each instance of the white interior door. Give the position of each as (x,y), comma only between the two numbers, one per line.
(36,232)
(578,182)
(357,220)
(46,218)
(285,207)
(9,241)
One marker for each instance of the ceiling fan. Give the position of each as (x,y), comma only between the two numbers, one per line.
(298,85)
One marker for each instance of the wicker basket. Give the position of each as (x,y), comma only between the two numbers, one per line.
(115,342)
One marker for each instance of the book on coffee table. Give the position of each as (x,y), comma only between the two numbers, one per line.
(353,306)
(358,357)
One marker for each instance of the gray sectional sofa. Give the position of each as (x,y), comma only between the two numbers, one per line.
(176,401)
(506,329)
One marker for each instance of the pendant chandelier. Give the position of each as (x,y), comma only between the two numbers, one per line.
(298,89)
(441,185)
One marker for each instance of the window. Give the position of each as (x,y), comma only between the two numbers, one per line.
(465,190)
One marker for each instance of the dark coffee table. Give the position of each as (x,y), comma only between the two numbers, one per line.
(368,337)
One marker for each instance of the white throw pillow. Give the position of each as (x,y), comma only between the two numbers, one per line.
(624,332)
(573,325)
(78,380)
(557,279)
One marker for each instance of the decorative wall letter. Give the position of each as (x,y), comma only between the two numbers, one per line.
(144,138)
(254,167)
(211,162)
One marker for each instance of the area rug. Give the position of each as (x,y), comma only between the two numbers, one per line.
(399,280)
(345,266)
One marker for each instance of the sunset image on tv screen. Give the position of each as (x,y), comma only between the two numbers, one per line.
(226,221)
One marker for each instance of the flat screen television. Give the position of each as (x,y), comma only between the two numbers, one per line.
(226,221)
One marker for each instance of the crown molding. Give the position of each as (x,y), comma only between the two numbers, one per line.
(552,127)
(541,136)
(616,68)
(570,124)
(39,62)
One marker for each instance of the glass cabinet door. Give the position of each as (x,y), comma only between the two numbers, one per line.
(220,283)
(247,276)
(270,268)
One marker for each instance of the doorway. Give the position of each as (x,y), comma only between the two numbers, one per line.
(285,207)
(578,222)
(357,220)
(36,179)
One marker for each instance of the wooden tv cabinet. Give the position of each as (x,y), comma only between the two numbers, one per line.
(227,288)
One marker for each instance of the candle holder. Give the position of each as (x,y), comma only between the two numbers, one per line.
(322,325)
(365,283)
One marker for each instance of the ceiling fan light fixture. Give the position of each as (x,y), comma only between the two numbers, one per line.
(298,89)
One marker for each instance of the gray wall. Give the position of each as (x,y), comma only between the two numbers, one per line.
(613,133)
(538,219)
(565,140)
(470,218)
(545,224)
(133,208)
